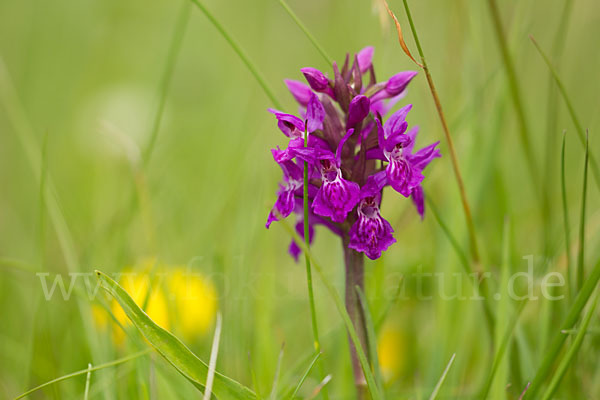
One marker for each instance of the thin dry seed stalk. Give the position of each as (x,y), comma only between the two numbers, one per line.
(451,149)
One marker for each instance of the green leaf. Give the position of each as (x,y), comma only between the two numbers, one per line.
(580,253)
(559,338)
(442,379)
(172,349)
(562,368)
(310,367)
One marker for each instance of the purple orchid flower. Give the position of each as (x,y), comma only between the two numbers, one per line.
(395,146)
(342,118)
(371,233)
(292,185)
(294,128)
(337,196)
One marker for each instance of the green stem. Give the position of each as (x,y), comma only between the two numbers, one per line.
(580,254)
(552,353)
(311,296)
(563,184)
(571,109)
(450,142)
(306,32)
(238,50)
(180,26)
(339,304)
(85,371)
(514,91)
(572,352)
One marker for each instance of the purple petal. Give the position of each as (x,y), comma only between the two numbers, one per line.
(375,183)
(370,234)
(365,57)
(289,124)
(358,109)
(394,86)
(423,157)
(397,83)
(375,154)
(336,197)
(283,206)
(315,114)
(397,124)
(418,198)
(316,79)
(299,90)
(338,152)
(402,177)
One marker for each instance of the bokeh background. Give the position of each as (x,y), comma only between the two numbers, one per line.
(80,88)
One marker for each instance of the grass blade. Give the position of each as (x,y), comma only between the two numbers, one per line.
(371,337)
(165,83)
(212,364)
(563,184)
(562,368)
(87,382)
(570,108)
(515,91)
(580,253)
(171,348)
(502,349)
(84,371)
(464,262)
(364,363)
(238,50)
(442,378)
(573,315)
(273,395)
(450,143)
(303,28)
(310,367)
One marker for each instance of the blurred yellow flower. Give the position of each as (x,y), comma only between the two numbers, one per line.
(391,349)
(195,301)
(174,297)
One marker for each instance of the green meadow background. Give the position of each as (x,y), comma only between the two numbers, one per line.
(80,86)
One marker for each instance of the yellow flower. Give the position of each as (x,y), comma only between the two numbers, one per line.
(391,350)
(195,301)
(174,297)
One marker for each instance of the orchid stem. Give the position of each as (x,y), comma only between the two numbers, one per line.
(453,157)
(304,29)
(238,50)
(311,296)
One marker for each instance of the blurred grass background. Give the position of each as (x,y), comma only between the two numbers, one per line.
(87,75)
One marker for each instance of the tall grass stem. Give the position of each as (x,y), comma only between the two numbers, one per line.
(238,50)
(304,29)
(450,142)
